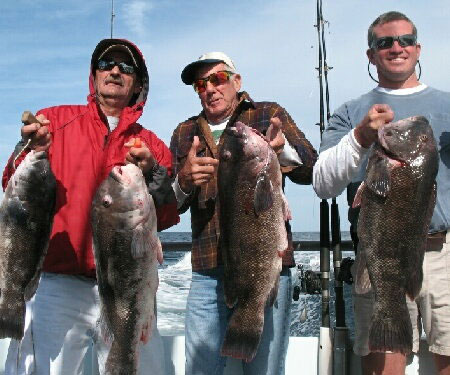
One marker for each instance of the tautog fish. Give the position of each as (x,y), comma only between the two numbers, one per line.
(397,200)
(253,211)
(127,250)
(26,218)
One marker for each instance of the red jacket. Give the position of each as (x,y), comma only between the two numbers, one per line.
(81,155)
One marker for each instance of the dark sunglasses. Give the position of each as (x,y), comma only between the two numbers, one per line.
(216,79)
(388,41)
(110,64)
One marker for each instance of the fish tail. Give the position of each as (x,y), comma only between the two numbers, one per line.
(243,334)
(12,317)
(393,334)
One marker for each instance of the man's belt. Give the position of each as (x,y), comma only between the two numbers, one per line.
(435,241)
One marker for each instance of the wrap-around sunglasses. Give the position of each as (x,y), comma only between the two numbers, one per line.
(110,64)
(388,41)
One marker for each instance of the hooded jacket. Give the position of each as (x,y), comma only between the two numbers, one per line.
(82,153)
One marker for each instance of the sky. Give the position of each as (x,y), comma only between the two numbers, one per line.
(47,45)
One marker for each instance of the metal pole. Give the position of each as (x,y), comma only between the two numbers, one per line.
(340,349)
(325,262)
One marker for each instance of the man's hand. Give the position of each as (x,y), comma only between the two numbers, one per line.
(275,136)
(38,134)
(366,132)
(196,170)
(140,155)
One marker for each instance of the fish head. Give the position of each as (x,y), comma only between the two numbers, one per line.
(409,141)
(122,199)
(244,144)
(33,180)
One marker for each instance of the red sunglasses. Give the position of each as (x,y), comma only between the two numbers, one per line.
(216,79)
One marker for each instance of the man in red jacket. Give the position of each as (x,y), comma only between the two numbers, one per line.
(83,143)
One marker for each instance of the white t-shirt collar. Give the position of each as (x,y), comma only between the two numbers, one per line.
(408,91)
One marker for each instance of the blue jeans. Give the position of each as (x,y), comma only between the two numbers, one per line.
(206,321)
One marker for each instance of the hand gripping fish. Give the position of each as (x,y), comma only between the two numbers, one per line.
(253,210)
(397,199)
(127,250)
(26,218)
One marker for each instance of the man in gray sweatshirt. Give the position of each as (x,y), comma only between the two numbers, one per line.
(345,146)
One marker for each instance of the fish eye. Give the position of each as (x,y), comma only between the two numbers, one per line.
(106,201)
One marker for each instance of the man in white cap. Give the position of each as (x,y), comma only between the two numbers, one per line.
(84,142)
(195,147)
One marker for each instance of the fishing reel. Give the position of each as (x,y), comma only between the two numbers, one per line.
(307,282)
(345,273)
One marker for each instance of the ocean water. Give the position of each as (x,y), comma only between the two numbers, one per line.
(175,278)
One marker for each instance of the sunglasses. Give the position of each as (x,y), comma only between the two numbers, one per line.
(110,64)
(216,79)
(388,41)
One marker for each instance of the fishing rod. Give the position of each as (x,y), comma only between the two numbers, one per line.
(337,363)
(325,337)
(335,219)
(112,17)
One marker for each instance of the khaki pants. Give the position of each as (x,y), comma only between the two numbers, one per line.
(429,312)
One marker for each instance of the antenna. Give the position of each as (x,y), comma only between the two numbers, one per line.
(112,17)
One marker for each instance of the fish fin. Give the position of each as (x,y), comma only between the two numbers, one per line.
(362,284)
(155,243)
(263,196)
(230,259)
(105,291)
(105,327)
(12,317)
(146,332)
(389,334)
(140,242)
(229,292)
(414,275)
(358,196)
(287,214)
(32,286)
(243,333)
(273,292)
(378,178)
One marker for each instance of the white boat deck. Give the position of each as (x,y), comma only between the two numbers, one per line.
(302,358)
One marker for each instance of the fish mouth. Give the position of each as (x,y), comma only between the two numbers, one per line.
(384,147)
(237,131)
(117,173)
(384,152)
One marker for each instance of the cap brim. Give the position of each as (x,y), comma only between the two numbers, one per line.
(188,73)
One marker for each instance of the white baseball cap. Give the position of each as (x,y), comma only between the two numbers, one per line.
(188,73)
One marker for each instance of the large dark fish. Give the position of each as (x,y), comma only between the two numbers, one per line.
(26,217)
(397,200)
(127,250)
(253,211)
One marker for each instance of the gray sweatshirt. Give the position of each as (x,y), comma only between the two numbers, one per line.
(342,161)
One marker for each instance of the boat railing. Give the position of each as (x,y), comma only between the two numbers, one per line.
(299,245)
